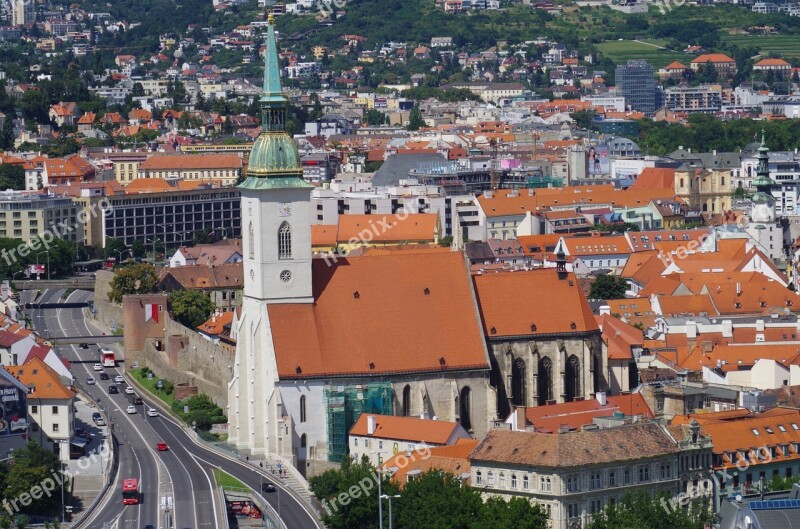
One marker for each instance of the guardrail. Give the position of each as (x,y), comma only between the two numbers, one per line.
(268,512)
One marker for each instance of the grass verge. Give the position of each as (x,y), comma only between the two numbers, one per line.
(226,480)
(150,385)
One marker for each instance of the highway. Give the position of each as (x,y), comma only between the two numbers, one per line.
(185,471)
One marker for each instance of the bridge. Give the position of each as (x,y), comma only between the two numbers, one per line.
(66,340)
(80,283)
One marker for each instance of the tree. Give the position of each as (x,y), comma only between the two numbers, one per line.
(137,248)
(608,287)
(415,119)
(137,279)
(374,117)
(191,307)
(202,237)
(7,134)
(644,511)
(113,248)
(12,177)
(31,466)
(583,118)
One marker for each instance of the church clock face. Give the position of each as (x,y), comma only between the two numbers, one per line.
(284,209)
(762,212)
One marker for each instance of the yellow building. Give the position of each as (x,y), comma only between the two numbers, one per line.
(707,189)
(224,168)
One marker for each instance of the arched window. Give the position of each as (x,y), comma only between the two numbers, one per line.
(284,241)
(681,183)
(407,400)
(597,373)
(545,380)
(303,441)
(251,241)
(572,378)
(518,386)
(465,408)
(303,408)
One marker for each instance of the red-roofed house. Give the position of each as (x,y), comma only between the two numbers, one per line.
(776,65)
(623,345)
(375,433)
(723,64)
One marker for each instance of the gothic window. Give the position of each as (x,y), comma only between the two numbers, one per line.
(407,400)
(303,408)
(465,405)
(303,441)
(284,241)
(518,387)
(251,241)
(545,382)
(572,378)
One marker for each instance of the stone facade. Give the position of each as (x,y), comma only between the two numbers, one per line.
(107,312)
(175,352)
(535,370)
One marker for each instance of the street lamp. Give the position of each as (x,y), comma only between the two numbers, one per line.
(224,230)
(387,497)
(48,262)
(380,493)
(121,253)
(63,508)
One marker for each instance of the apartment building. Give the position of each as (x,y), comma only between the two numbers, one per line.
(684,98)
(223,168)
(574,475)
(26,216)
(153,209)
(51,410)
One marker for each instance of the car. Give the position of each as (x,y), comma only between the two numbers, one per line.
(90,380)
(152,412)
(129,390)
(100,422)
(112,389)
(267,487)
(104,376)
(137,400)
(131,409)
(98,367)
(162,447)
(119,379)
(96,415)
(84,346)
(82,434)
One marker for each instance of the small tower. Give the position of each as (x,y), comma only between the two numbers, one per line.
(763,209)
(561,262)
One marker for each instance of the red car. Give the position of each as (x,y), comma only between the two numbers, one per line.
(161,447)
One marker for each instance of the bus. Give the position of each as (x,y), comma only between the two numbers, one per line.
(107,358)
(130,491)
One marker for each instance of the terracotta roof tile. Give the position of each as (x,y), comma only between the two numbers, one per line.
(574,415)
(46,382)
(414,227)
(191,161)
(396,298)
(499,294)
(406,428)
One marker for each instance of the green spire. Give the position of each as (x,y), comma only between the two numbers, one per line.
(273,102)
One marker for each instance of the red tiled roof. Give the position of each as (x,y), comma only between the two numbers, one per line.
(405,428)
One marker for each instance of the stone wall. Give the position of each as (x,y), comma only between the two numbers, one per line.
(174,352)
(108,313)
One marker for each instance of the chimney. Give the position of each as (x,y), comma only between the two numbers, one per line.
(738,289)
(601,398)
(605,309)
(370,424)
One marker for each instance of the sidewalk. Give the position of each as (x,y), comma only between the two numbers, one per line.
(277,469)
(89,473)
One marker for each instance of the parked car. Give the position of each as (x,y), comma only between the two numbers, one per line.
(90,380)
(162,447)
(103,376)
(82,434)
(96,415)
(98,367)
(119,379)
(129,390)
(152,412)
(112,389)
(131,409)
(100,422)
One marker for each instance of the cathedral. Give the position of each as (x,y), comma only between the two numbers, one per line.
(405,332)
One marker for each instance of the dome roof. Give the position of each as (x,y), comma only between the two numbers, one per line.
(274,154)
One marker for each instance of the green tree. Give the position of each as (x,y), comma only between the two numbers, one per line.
(415,119)
(12,177)
(374,117)
(202,237)
(113,248)
(643,511)
(583,118)
(31,466)
(608,287)
(137,248)
(203,413)
(137,279)
(7,134)
(191,307)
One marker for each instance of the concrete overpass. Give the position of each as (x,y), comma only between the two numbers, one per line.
(79,283)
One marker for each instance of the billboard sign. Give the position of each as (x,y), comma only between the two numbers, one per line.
(35,269)
(13,406)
